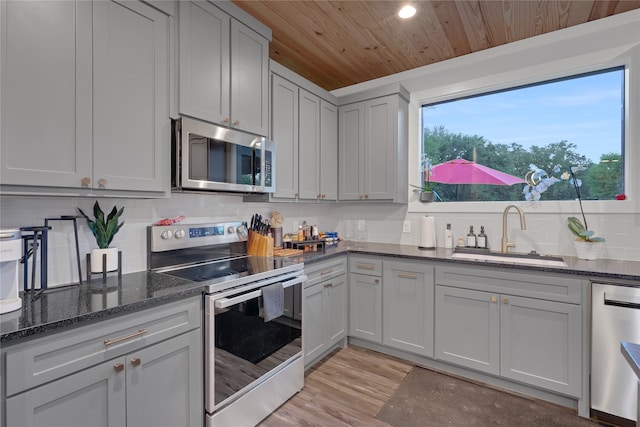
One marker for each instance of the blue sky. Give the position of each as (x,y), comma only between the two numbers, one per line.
(585,111)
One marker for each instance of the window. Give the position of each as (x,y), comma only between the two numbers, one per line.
(534,133)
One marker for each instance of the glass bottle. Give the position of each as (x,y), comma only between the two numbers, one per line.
(471,238)
(482,238)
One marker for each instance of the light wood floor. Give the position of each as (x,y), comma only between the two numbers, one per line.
(347,388)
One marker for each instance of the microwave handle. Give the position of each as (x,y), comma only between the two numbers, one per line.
(227,302)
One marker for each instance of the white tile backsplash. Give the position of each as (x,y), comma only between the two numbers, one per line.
(546,233)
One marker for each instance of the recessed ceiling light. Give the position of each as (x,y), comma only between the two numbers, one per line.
(407,12)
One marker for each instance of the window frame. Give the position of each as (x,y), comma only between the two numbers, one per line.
(621,68)
(522,76)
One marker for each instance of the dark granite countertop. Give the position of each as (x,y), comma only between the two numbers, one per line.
(604,269)
(631,352)
(73,305)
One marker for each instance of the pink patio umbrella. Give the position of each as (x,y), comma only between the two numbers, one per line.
(461,171)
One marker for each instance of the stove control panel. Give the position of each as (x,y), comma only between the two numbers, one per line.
(166,238)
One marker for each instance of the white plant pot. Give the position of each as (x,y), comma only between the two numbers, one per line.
(587,250)
(96,259)
(426,196)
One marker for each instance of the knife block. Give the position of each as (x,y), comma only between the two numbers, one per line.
(259,245)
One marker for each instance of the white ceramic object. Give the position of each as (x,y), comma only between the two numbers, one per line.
(96,259)
(587,250)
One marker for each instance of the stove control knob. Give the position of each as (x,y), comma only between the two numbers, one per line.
(242,231)
(231,230)
(179,234)
(166,234)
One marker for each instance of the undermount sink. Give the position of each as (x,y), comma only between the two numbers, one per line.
(532,259)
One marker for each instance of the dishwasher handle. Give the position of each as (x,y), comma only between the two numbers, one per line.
(228,302)
(626,301)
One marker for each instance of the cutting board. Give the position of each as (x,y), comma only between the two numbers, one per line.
(287,252)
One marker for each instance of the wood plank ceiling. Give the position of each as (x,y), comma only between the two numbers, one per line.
(340,43)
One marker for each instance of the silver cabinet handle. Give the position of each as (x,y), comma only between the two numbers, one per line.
(407,275)
(126,337)
(494,298)
(505,301)
(135,361)
(85,181)
(363,266)
(102,183)
(236,122)
(118,367)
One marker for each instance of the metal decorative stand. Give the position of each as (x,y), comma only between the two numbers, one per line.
(104,268)
(38,238)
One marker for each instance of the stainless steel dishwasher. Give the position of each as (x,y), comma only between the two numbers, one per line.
(615,318)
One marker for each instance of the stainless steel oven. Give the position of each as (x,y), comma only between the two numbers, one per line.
(214,158)
(253,365)
(253,362)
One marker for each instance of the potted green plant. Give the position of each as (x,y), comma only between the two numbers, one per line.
(426,192)
(587,245)
(104,229)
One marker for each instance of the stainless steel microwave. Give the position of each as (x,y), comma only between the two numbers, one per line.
(209,157)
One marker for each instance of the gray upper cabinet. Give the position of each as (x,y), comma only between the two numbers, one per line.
(85,97)
(309,141)
(130,96)
(224,69)
(284,131)
(304,127)
(328,151)
(373,149)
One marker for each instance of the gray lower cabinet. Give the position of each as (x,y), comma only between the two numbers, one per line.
(511,325)
(325,309)
(407,306)
(141,369)
(91,79)
(365,299)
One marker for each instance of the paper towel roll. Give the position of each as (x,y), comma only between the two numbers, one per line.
(427,233)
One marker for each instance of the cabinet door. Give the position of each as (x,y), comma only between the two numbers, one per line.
(407,297)
(379,136)
(165,383)
(249,80)
(313,322)
(204,62)
(45,64)
(328,151)
(351,146)
(467,328)
(336,309)
(540,343)
(131,105)
(309,142)
(94,396)
(284,131)
(365,314)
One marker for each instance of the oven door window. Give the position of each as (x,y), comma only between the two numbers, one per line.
(247,347)
(218,161)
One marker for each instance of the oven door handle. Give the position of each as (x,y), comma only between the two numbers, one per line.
(227,302)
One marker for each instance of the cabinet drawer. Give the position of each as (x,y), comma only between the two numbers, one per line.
(539,285)
(325,270)
(368,266)
(45,359)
